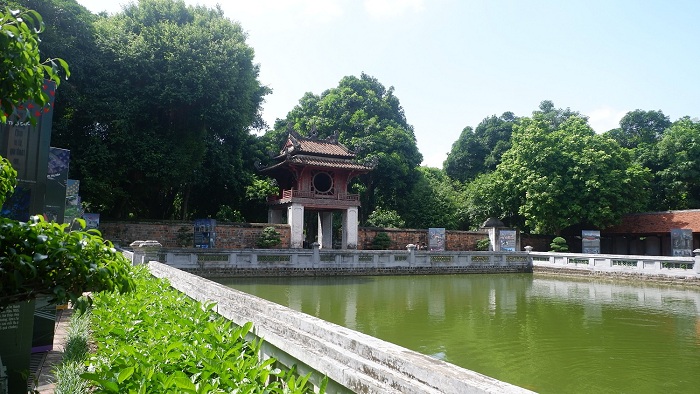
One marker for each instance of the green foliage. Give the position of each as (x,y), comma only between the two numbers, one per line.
(480,150)
(483,244)
(43,258)
(269,238)
(558,245)
(563,175)
(8,179)
(381,241)
(678,158)
(385,218)
(228,214)
(178,85)
(639,128)
(158,340)
(185,237)
(435,201)
(22,72)
(67,373)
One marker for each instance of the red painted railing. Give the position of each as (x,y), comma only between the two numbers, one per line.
(293,193)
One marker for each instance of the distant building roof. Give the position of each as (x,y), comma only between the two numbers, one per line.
(657,222)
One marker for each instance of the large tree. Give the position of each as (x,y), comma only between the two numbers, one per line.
(562,174)
(370,120)
(480,150)
(640,127)
(173,92)
(677,180)
(436,200)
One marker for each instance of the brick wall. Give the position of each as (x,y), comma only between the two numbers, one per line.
(245,235)
(173,234)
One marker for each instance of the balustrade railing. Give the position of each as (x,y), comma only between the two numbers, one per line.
(289,194)
(650,265)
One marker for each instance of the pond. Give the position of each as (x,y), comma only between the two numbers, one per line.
(545,334)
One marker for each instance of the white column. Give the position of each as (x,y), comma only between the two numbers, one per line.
(325,229)
(295,219)
(350,228)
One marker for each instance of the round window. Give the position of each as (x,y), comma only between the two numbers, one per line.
(323,183)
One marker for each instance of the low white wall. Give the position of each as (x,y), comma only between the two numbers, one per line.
(261,261)
(685,267)
(354,361)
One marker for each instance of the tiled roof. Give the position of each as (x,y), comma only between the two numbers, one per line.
(657,222)
(316,161)
(296,144)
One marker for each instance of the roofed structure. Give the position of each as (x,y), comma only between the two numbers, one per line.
(314,174)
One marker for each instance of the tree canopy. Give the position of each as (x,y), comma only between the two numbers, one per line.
(679,160)
(563,174)
(159,124)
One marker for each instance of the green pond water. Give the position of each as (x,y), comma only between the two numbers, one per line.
(544,334)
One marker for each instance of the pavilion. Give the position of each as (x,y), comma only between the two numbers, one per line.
(313,176)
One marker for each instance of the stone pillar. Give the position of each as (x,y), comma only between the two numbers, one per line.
(295,219)
(145,251)
(325,229)
(274,216)
(411,254)
(696,266)
(350,224)
(316,256)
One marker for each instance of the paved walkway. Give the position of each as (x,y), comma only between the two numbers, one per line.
(43,363)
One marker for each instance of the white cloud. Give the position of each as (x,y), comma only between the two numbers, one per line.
(390,8)
(604,119)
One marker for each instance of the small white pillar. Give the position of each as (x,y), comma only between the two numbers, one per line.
(350,224)
(295,219)
(325,229)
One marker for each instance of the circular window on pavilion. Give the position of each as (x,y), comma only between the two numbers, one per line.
(323,183)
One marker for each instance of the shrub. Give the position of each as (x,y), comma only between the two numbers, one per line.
(269,238)
(381,241)
(228,214)
(558,245)
(483,244)
(385,218)
(44,258)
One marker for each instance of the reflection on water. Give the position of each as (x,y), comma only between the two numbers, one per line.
(547,335)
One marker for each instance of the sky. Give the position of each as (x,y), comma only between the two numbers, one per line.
(453,63)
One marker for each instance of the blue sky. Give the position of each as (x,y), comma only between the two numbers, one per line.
(454,62)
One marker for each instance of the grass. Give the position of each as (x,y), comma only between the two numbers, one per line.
(67,374)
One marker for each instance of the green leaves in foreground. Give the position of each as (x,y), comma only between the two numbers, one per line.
(44,258)
(157,340)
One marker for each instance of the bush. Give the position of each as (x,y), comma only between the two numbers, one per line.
(558,245)
(483,244)
(381,241)
(385,218)
(269,238)
(44,258)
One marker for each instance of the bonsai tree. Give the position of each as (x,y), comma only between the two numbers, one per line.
(269,238)
(381,241)
(558,245)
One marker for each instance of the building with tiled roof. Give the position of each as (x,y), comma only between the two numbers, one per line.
(650,233)
(313,175)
